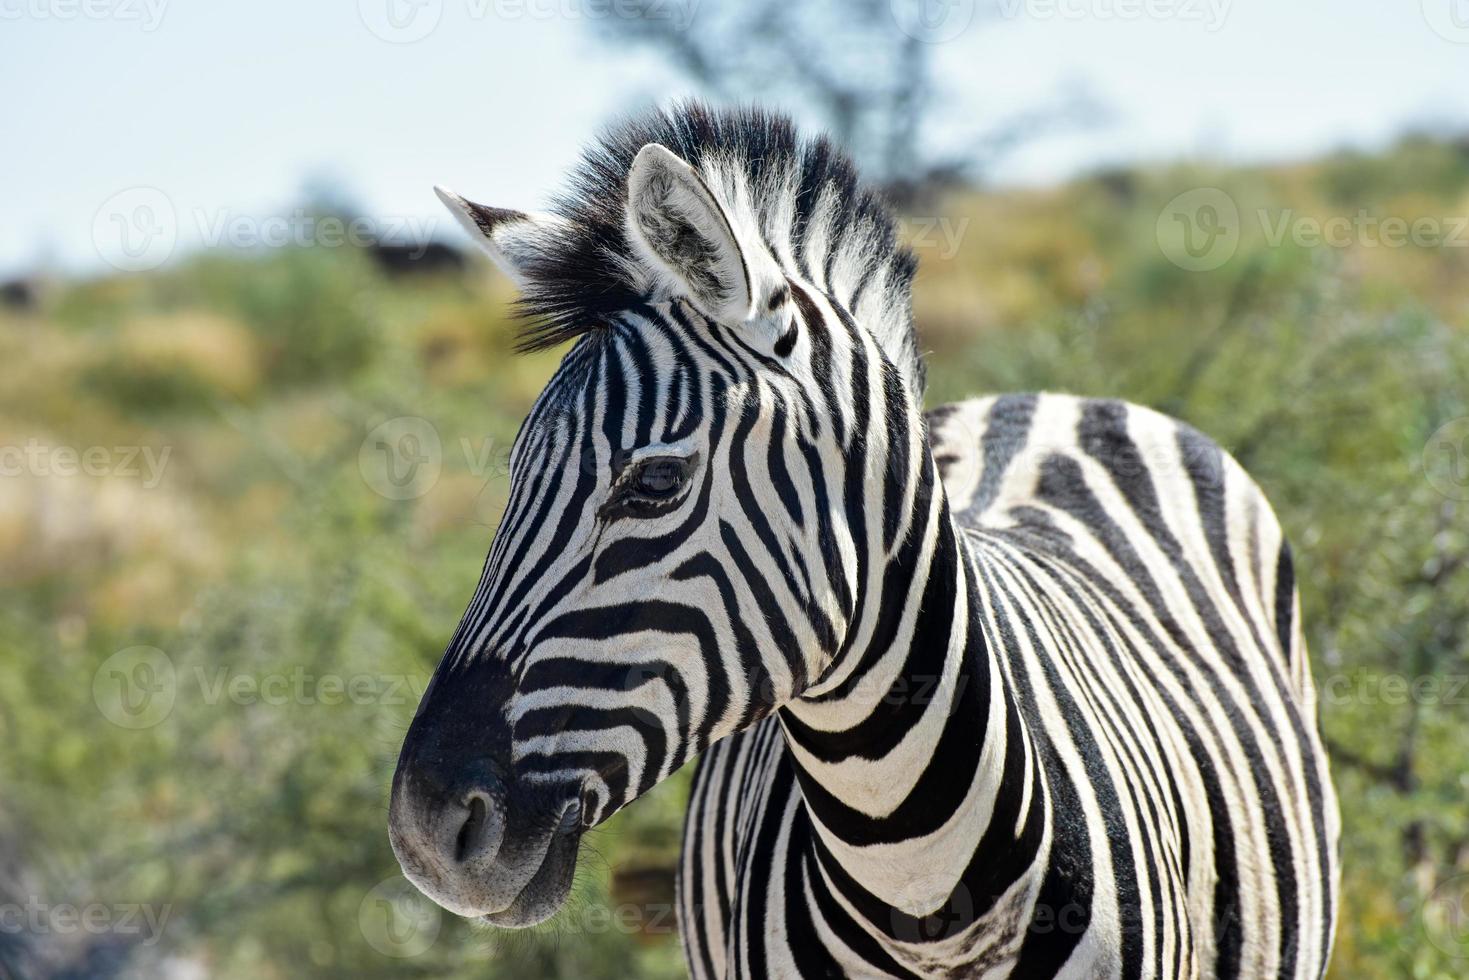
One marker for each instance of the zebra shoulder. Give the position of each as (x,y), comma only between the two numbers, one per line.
(1008,460)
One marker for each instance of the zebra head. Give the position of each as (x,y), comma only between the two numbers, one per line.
(696,497)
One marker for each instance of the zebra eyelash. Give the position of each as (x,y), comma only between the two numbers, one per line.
(625,500)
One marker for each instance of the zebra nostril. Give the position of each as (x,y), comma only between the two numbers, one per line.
(473,827)
(480,835)
(570,817)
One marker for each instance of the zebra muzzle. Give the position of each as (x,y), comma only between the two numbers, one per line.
(482,845)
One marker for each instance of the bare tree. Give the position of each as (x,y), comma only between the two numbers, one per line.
(864,68)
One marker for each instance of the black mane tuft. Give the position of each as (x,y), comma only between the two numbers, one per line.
(583,283)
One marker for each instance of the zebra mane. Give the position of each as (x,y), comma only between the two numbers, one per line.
(801,196)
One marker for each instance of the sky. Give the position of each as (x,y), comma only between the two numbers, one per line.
(208,118)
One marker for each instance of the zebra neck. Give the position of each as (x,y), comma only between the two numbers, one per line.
(922,727)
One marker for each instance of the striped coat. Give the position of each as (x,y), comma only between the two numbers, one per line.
(1133,735)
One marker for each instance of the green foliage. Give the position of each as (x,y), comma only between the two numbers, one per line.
(267,567)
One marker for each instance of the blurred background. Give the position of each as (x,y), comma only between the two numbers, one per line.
(256,398)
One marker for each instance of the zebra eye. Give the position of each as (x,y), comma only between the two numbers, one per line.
(660,477)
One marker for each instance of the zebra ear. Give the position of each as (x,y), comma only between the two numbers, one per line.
(683,235)
(513,239)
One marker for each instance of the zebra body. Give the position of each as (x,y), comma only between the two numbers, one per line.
(1014,689)
(1136,627)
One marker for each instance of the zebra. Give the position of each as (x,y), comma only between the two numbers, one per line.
(1016,687)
